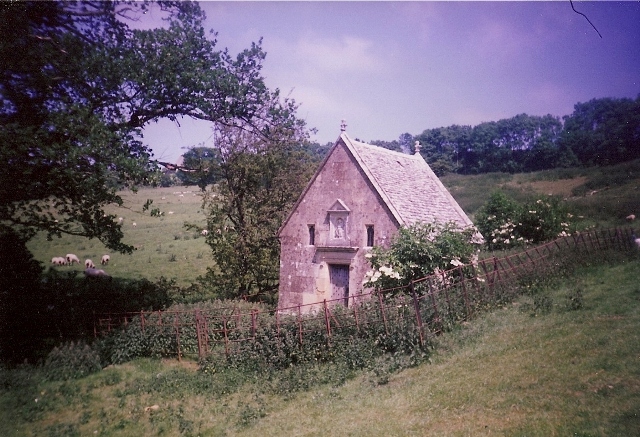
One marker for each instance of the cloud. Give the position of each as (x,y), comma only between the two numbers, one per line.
(347,54)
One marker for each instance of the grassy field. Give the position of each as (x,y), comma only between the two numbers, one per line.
(598,197)
(515,371)
(163,246)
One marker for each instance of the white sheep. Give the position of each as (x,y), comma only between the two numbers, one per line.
(631,217)
(134,224)
(71,258)
(204,232)
(58,261)
(120,220)
(88,264)
(105,260)
(635,239)
(95,273)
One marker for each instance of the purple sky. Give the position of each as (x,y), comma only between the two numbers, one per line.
(395,67)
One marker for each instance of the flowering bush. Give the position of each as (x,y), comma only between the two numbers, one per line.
(418,251)
(506,223)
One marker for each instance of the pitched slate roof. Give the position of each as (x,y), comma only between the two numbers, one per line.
(406,183)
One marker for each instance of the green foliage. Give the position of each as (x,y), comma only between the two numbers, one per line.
(199,167)
(418,251)
(78,85)
(599,132)
(259,181)
(603,131)
(71,361)
(575,299)
(506,223)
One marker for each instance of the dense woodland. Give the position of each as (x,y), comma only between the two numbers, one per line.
(599,132)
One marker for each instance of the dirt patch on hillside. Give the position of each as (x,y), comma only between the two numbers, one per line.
(560,187)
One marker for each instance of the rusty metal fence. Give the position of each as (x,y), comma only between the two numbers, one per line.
(428,306)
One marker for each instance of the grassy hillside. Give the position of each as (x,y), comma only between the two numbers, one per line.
(521,370)
(598,196)
(163,246)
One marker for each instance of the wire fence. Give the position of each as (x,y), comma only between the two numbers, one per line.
(427,306)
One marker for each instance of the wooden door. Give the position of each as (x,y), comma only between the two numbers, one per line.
(339,276)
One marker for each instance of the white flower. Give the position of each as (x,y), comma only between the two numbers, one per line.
(368,255)
(507,241)
(494,240)
(456,262)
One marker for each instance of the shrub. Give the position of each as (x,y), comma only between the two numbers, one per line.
(71,361)
(506,223)
(418,251)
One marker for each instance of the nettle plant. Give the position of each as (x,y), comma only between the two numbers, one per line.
(506,223)
(420,250)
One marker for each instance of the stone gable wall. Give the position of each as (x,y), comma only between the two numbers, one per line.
(304,269)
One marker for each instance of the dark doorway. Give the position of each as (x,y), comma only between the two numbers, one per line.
(339,277)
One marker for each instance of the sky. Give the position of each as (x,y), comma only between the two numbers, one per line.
(389,68)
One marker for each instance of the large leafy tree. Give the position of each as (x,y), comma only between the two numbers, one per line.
(603,131)
(258,180)
(78,84)
(199,166)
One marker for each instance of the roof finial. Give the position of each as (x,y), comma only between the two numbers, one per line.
(417,147)
(343,125)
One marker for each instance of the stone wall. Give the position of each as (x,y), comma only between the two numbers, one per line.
(304,268)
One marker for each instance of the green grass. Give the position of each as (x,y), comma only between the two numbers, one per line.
(515,371)
(163,246)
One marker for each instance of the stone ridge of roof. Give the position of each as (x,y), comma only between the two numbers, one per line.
(407,184)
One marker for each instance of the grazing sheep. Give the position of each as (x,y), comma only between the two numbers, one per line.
(134,224)
(71,258)
(105,260)
(631,217)
(88,264)
(95,273)
(58,261)
(120,219)
(205,232)
(635,239)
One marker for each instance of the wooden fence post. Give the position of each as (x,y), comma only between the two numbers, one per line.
(176,325)
(326,318)
(382,311)
(434,304)
(355,315)
(416,306)
(300,324)
(464,292)
(254,317)
(226,337)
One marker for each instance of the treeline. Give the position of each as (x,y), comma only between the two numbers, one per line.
(602,131)
(599,132)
